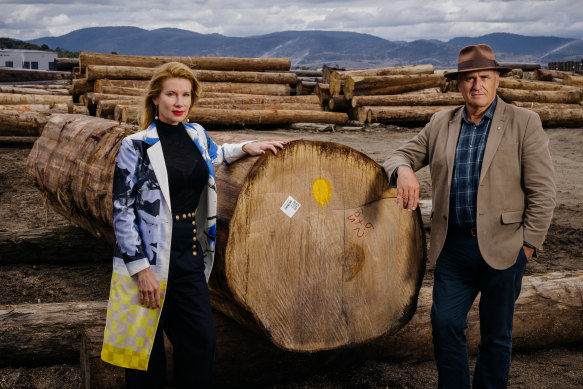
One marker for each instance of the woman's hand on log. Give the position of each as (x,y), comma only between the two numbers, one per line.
(259,148)
(407,188)
(149,289)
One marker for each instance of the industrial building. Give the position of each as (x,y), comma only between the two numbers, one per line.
(27,59)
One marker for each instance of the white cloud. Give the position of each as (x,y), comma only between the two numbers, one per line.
(394,20)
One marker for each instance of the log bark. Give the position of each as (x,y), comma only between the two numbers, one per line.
(338,104)
(211,116)
(24,91)
(337,78)
(55,245)
(81,86)
(323,92)
(53,108)
(10,98)
(548,75)
(525,67)
(14,123)
(386,85)
(207,63)
(398,89)
(66,64)
(548,313)
(139,84)
(17,75)
(120,90)
(556,115)
(106,108)
(574,81)
(346,254)
(563,97)
(534,85)
(250,99)
(450,98)
(95,72)
(403,114)
(246,88)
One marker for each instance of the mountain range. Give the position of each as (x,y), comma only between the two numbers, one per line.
(312,49)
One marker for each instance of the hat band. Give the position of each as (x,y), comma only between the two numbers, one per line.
(481,63)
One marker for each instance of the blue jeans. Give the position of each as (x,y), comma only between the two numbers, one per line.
(460,274)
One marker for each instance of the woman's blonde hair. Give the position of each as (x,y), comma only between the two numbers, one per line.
(154,89)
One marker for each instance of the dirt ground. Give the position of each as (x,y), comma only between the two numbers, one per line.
(86,278)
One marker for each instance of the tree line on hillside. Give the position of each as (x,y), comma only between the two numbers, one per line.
(7,43)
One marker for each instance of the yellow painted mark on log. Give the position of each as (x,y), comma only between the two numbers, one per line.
(322,190)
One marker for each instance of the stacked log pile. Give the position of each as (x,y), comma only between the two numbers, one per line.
(259,88)
(26,107)
(412,94)
(409,94)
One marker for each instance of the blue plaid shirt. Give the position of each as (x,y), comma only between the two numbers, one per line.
(466,170)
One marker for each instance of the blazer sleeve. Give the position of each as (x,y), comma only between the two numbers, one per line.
(538,181)
(129,242)
(415,153)
(225,153)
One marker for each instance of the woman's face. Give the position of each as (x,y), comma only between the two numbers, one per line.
(174,100)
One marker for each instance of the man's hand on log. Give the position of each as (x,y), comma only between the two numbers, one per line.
(407,188)
(259,148)
(149,289)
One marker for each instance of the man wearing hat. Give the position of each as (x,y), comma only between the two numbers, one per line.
(493,196)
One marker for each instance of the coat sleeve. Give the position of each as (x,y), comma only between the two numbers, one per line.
(226,153)
(129,242)
(538,181)
(415,153)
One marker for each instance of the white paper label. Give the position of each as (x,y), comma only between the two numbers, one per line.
(290,206)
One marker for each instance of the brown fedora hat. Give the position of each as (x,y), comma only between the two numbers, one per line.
(474,58)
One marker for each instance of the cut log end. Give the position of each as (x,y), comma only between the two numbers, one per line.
(343,269)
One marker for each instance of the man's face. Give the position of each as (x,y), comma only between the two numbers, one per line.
(478,88)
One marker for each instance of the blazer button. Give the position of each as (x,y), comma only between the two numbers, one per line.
(194,238)
(177,217)
(194,253)
(193,223)
(194,247)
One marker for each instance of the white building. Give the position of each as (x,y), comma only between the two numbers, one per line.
(27,59)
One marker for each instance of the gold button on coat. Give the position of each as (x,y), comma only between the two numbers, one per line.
(194,253)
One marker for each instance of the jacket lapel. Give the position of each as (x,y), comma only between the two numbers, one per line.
(157,161)
(494,136)
(452,138)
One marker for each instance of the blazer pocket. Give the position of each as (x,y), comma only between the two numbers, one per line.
(512,217)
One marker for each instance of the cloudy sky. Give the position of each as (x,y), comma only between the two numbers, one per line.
(394,20)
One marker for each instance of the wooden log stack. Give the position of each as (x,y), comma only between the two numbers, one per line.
(107,77)
(303,280)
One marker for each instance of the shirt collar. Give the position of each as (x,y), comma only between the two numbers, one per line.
(489,113)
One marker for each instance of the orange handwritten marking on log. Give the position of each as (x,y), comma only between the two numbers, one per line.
(19,109)
(322,191)
(359,225)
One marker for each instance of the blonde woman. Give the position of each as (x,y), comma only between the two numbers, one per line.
(164,217)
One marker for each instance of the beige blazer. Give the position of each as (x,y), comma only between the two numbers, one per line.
(516,195)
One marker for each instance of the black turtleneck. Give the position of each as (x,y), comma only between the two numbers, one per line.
(187,170)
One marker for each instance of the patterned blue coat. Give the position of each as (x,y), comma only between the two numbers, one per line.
(142,220)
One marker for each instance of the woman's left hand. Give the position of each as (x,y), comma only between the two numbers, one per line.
(259,148)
